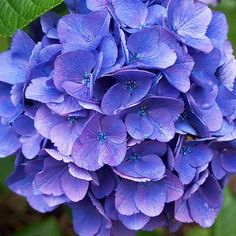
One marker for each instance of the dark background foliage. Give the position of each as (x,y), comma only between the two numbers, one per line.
(18,219)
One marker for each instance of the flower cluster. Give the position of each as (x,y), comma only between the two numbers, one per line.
(125,111)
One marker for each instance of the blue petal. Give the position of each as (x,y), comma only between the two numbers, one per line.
(78,31)
(147,50)
(190,20)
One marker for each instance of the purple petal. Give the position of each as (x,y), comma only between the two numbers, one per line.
(47,180)
(78,31)
(134,222)
(190,20)
(182,212)
(86,219)
(229,161)
(79,173)
(106,184)
(24,126)
(49,24)
(150,166)
(205,205)
(31,145)
(124,198)
(45,121)
(174,187)
(72,66)
(75,189)
(9,141)
(22,45)
(85,155)
(114,129)
(164,129)
(199,155)
(69,105)
(227,73)
(110,52)
(150,198)
(40,91)
(178,74)
(13,72)
(63,135)
(185,171)
(131,13)
(126,94)
(139,127)
(148,51)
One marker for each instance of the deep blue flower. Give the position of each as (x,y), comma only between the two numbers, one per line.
(125,112)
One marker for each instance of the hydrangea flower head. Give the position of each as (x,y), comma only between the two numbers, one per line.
(125,112)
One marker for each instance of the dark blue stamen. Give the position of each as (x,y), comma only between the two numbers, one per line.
(73,119)
(143,111)
(135,156)
(134,57)
(101,137)
(86,78)
(131,85)
(186,150)
(183,116)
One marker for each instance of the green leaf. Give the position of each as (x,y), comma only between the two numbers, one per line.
(4,44)
(44,228)
(6,167)
(15,14)
(197,231)
(225,224)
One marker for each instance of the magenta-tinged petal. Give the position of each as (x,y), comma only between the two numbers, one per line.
(79,172)
(164,129)
(39,90)
(72,66)
(205,204)
(75,189)
(112,154)
(182,212)
(115,98)
(85,155)
(106,184)
(134,222)
(199,155)
(131,13)
(47,180)
(150,166)
(78,31)
(228,161)
(63,135)
(174,187)
(86,219)
(150,198)
(124,198)
(190,21)
(139,127)
(148,51)
(114,129)
(9,141)
(45,121)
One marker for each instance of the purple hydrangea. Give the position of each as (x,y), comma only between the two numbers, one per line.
(125,112)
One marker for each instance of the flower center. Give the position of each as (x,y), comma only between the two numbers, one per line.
(183,116)
(134,57)
(73,119)
(86,78)
(101,137)
(186,150)
(143,111)
(131,85)
(136,156)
